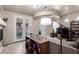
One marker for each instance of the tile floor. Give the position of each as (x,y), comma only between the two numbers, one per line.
(17,48)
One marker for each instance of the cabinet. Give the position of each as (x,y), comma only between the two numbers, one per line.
(44,48)
(34,47)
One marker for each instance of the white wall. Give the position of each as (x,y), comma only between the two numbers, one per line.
(36,26)
(71,17)
(0,10)
(10,29)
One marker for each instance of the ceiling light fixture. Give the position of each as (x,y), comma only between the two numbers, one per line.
(46,17)
(45,21)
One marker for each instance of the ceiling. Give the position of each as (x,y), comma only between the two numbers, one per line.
(30,10)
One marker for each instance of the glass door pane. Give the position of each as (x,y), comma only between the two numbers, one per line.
(19,28)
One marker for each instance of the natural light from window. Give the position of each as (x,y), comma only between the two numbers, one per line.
(77,19)
(66,20)
(55,26)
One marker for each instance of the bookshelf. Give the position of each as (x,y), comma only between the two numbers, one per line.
(74,33)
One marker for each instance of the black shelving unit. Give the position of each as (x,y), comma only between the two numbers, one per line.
(74,33)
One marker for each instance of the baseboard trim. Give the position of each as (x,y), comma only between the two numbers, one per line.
(13,43)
